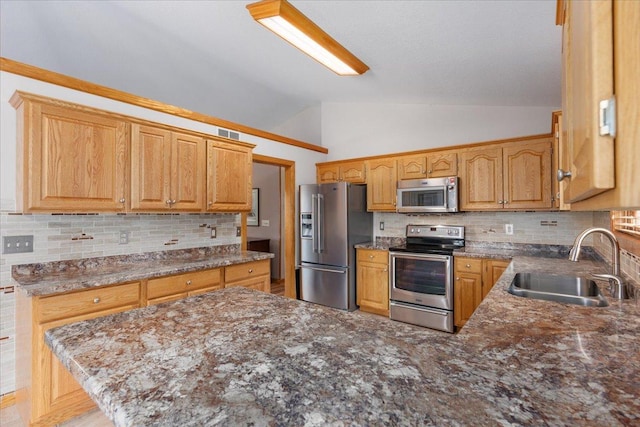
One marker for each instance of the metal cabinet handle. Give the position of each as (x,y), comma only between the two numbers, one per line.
(122,200)
(210,203)
(188,282)
(168,202)
(173,202)
(251,270)
(560,175)
(468,265)
(385,270)
(96,300)
(506,202)
(371,256)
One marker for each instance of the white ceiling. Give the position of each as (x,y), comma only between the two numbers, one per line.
(213,58)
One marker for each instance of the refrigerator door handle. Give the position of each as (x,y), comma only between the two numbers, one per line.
(314,214)
(320,221)
(323,269)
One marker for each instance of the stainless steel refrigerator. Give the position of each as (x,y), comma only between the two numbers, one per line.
(333,218)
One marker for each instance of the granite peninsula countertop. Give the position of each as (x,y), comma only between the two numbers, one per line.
(241,357)
(41,279)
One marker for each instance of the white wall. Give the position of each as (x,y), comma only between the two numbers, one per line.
(359,130)
(305,126)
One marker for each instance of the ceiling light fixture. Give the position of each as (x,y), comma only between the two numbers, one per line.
(289,23)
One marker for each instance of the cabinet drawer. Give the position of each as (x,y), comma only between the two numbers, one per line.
(87,301)
(246,270)
(373,255)
(472,265)
(258,283)
(180,283)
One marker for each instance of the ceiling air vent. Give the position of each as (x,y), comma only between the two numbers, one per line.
(225,133)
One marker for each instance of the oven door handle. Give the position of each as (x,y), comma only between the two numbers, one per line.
(429,310)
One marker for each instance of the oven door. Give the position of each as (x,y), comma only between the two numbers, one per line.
(422,279)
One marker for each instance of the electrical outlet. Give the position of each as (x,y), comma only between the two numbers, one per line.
(381,225)
(508,228)
(124,237)
(238,231)
(17,244)
(213,233)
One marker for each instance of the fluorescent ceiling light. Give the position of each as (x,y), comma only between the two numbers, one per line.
(289,23)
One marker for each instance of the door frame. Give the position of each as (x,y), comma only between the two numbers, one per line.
(288,216)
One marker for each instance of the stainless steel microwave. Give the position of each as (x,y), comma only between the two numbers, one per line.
(428,195)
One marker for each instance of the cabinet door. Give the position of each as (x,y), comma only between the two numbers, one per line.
(440,165)
(327,173)
(527,176)
(412,167)
(493,269)
(188,154)
(372,281)
(481,179)
(150,168)
(467,293)
(229,171)
(588,70)
(74,161)
(354,172)
(381,185)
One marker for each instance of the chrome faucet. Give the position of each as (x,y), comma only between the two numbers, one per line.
(617,286)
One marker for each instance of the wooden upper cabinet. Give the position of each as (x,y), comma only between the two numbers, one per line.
(481,179)
(352,171)
(527,175)
(588,69)
(412,167)
(229,171)
(600,59)
(381,185)
(440,165)
(69,158)
(431,165)
(511,176)
(188,154)
(168,170)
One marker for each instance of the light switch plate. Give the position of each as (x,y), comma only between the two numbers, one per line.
(17,244)
(265,222)
(213,232)
(238,231)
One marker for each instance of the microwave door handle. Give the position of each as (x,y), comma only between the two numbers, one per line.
(446,197)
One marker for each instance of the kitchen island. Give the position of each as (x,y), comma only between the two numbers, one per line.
(240,357)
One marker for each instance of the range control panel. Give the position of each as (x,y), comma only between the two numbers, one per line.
(436,231)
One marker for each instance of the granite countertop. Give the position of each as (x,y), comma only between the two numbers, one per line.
(56,277)
(241,357)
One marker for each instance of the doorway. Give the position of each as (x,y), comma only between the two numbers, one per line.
(287,220)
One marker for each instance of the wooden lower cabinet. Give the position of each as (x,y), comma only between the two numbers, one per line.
(254,275)
(372,281)
(46,393)
(474,278)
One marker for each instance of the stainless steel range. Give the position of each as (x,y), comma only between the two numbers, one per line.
(421,276)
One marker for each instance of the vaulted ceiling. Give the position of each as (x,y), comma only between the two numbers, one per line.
(213,58)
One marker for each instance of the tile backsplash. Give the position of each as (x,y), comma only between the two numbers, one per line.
(556,228)
(72,236)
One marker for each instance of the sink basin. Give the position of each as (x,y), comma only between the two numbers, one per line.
(565,289)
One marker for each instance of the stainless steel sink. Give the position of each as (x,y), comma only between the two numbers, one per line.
(565,289)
